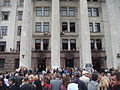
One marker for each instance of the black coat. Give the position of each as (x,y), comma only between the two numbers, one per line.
(13,87)
(27,87)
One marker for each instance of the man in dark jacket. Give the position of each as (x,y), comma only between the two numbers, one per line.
(27,85)
(2,85)
(12,85)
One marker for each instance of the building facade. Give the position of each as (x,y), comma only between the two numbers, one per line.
(59,33)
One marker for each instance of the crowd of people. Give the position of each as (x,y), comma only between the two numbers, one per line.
(60,79)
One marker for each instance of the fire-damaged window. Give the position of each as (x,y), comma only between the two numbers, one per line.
(2,46)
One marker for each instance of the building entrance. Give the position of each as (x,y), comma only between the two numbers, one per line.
(96,64)
(41,65)
(69,63)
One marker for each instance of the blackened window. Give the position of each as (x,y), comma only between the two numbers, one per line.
(65,44)
(20,13)
(2,46)
(64,11)
(72,44)
(38,27)
(21,2)
(71,11)
(91,27)
(45,44)
(5,15)
(72,26)
(92,44)
(37,44)
(64,26)
(19,30)
(88,0)
(95,0)
(38,11)
(18,46)
(46,27)
(99,44)
(97,27)
(17,63)
(2,63)
(4,30)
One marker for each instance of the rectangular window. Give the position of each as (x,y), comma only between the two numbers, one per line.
(4,30)
(46,27)
(37,44)
(71,11)
(95,12)
(20,13)
(64,11)
(2,63)
(38,11)
(5,16)
(19,30)
(46,11)
(18,46)
(21,2)
(64,27)
(92,44)
(72,26)
(89,12)
(72,44)
(91,27)
(38,27)
(99,44)
(94,0)
(97,27)
(64,44)
(2,46)
(6,3)
(45,44)
(17,63)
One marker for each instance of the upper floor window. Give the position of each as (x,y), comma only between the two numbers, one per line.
(4,30)
(46,27)
(2,63)
(45,44)
(65,44)
(5,15)
(2,46)
(37,44)
(92,0)
(93,12)
(96,44)
(94,27)
(72,44)
(64,27)
(38,27)
(19,30)
(89,12)
(64,11)
(21,2)
(91,27)
(38,11)
(6,2)
(18,46)
(72,26)
(92,41)
(20,13)
(97,27)
(46,11)
(17,63)
(71,11)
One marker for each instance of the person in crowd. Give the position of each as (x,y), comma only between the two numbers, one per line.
(65,82)
(26,85)
(77,84)
(12,85)
(93,85)
(2,85)
(55,84)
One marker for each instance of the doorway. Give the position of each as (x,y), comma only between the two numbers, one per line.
(41,65)
(69,63)
(96,64)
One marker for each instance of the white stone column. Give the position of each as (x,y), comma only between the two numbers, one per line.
(55,34)
(26,35)
(84,34)
(111,33)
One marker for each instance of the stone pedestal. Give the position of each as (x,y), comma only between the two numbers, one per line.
(55,34)
(84,34)
(26,35)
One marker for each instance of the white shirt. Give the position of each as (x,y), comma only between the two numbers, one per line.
(72,86)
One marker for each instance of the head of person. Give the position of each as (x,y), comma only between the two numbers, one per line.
(57,75)
(1,81)
(11,81)
(76,75)
(115,78)
(94,77)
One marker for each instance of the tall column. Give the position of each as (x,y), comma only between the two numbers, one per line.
(84,34)
(26,35)
(111,36)
(55,35)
